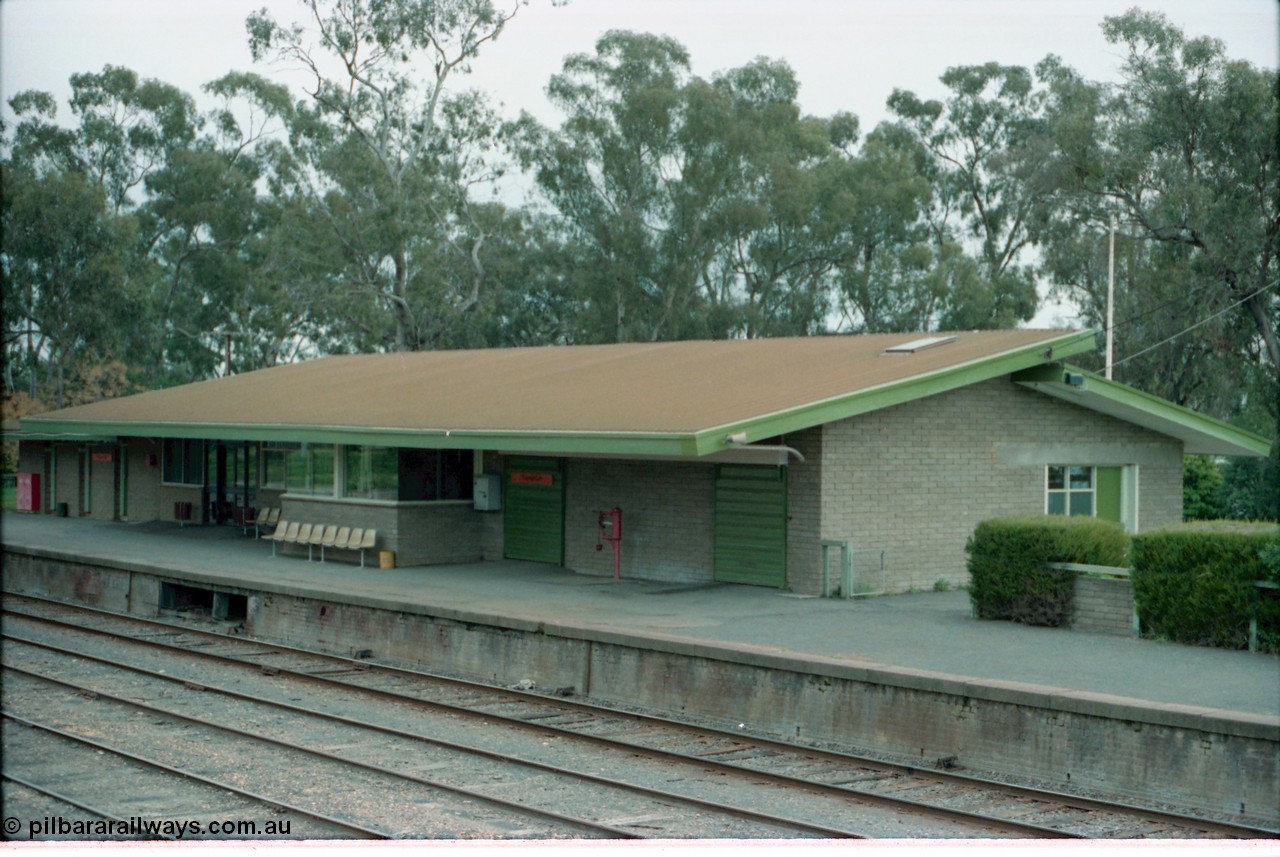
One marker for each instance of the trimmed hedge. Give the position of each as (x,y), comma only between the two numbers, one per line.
(1008,577)
(1193,583)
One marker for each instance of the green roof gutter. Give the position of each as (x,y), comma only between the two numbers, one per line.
(895,393)
(632,443)
(1200,434)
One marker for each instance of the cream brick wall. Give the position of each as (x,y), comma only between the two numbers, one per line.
(914,480)
(805,481)
(1103,605)
(418,533)
(67,478)
(668,511)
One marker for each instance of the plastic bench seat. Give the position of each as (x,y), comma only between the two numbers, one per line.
(287,531)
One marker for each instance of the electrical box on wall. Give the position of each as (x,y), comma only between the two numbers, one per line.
(488,492)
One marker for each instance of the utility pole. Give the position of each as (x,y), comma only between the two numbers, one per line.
(1111,298)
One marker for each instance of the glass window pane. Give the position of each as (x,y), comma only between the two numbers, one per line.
(413,473)
(193,455)
(355,464)
(172,452)
(273,462)
(1081,477)
(297,466)
(1057,503)
(384,473)
(455,474)
(322,469)
(1057,478)
(1082,503)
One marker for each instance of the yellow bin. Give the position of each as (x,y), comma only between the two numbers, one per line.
(386,559)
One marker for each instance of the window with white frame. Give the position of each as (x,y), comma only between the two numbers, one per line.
(1070,490)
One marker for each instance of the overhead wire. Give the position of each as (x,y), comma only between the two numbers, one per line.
(1200,323)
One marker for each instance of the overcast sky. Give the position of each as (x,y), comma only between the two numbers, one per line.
(848,54)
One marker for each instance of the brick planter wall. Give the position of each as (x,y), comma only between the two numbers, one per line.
(1104,605)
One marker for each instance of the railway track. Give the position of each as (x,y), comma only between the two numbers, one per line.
(658,777)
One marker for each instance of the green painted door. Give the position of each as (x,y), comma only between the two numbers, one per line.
(1108,506)
(751,525)
(533,510)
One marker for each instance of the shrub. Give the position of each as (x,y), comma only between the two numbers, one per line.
(1007,564)
(1193,583)
(1201,487)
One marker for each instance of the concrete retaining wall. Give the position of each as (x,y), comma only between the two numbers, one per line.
(1173,754)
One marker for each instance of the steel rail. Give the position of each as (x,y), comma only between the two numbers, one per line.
(948,778)
(902,804)
(519,808)
(190,775)
(69,801)
(714,806)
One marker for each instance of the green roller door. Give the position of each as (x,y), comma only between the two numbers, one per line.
(1108,487)
(533,510)
(751,525)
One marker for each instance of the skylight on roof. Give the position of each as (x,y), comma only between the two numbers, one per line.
(919,344)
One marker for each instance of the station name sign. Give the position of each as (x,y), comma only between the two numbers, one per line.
(522,478)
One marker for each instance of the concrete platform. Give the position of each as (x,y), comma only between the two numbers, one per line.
(929,631)
(915,652)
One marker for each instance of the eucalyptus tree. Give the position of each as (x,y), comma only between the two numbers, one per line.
(203,220)
(388,157)
(128,128)
(986,145)
(74,285)
(692,205)
(1182,153)
(892,275)
(777,229)
(65,263)
(612,172)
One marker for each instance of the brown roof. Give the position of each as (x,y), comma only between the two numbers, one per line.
(670,387)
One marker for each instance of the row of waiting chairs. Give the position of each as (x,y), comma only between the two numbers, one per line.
(323,536)
(265,517)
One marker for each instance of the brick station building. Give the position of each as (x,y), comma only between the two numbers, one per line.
(807,464)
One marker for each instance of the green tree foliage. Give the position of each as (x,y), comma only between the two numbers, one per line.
(388,159)
(615,173)
(890,274)
(696,208)
(67,296)
(1201,488)
(1183,151)
(986,146)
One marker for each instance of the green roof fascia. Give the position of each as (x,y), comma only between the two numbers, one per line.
(895,393)
(1128,397)
(69,437)
(637,443)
